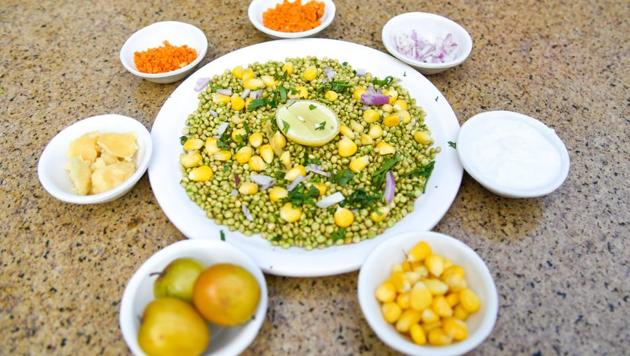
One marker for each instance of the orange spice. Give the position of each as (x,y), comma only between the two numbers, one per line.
(164,59)
(293,16)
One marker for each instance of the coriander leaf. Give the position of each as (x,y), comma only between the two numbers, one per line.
(226,167)
(379,176)
(339,234)
(339,86)
(342,177)
(256,103)
(360,199)
(283,94)
(285,126)
(452,144)
(312,107)
(224,140)
(423,171)
(222,235)
(276,238)
(344,63)
(300,195)
(385,82)
(321,125)
(183,139)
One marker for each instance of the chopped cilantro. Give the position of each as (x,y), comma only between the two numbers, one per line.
(321,125)
(339,234)
(183,139)
(379,176)
(423,171)
(300,195)
(384,82)
(226,167)
(256,103)
(222,235)
(360,199)
(312,107)
(344,63)
(276,238)
(452,144)
(285,126)
(342,177)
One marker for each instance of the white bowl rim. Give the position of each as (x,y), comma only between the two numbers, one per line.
(539,126)
(126,304)
(378,325)
(52,189)
(279,34)
(201,53)
(455,62)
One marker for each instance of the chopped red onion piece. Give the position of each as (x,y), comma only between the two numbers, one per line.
(237,180)
(330,200)
(227,92)
(295,182)
(421,49)
(374,97)
(246,212)
(360,72)
(262,180)
(245,93)
(201,84)
(317,170)
(330,74)
(255,94)
(234,192)
(390,187)
(213,113)
(221,129)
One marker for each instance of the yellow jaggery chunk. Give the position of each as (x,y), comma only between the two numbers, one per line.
(79,171)
(121,145)
(111,176)
(84,147)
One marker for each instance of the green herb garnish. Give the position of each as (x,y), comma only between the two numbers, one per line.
(256,103)
(276,238)
(300,195)
(423,171)
(222,235)
(285,126)
(339,234)
(182,140)
(226,167)
(360,199)
(385,82)
(379,176)
(312,107)
(452,144)
(342,177)
(321,125)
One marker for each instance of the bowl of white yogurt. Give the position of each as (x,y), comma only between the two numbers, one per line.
(512,154)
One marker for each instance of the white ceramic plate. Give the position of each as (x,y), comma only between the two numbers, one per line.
(165,174)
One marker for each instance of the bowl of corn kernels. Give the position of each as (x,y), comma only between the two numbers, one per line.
(426,293)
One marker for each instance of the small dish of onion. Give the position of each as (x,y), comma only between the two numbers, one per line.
(428,42)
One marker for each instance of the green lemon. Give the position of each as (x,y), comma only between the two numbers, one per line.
(307,122)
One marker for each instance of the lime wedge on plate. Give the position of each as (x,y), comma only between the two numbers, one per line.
(307,122)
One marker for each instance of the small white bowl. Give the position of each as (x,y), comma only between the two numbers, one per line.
(258,7)
(139,293)
(507,130)
(431,27)
(377,268)
(51,168)
(177,34)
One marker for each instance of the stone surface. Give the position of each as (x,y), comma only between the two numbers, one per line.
(561,263)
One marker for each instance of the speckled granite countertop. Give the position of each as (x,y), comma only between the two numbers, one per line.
(561,263)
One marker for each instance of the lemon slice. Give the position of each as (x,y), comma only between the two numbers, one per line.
(307,122)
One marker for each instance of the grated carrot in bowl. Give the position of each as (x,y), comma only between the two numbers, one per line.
(164,59)
(293,16)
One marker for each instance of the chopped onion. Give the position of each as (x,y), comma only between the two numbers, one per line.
(221,129)
(390,187)
(245,93)
(201,84)
(213,113)
(262,180)
(330,74)
(255,94)
(227,92)
(317,170)
(374,97)
(237,180)
(295,182)
(246,212)
(360,72)
(421,49)
(234,192)
(330,200)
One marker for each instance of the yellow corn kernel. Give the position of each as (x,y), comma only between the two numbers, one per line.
(392,93)
(455,328)
(285,159)
(331,95)
(248,188)
(454,270)
(410,276)
(440,307)
(321,187)
(222,155)
(398,279)
(346,131)
(400,105)
(454,282)
(359,163)
(469,300)
(237,103)
(293,173)
(358,91)
(289,213)
(190,159)
(200,174)
(429,316)
(407,318)
(391,312)
(237,72)
(288,68)
(310,73)
(430,326)
(211,146)
(422,271)
(248,74)
(435,286)
(386,292)
(384,148)
(278,142)
(255,139)
(391,120)
(366,139)
(397,268)
(417,334)
(419,252)
(421,298)
(379,214)
(253,84)
(404,300)
(268,81)
(220,98)
(302,92)
(460,313)
(193,144)
(243,155)
(277,193)
(404,115)
(343,217)
(238,134)
(447,263)
(387,108)
(356,127)
(371,115)
(406,266)
(435,265)
(423,137)
(266,152)
(437,337)
(347,147)
(248,101)
(452,299)
(375,131)
(256,164)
